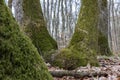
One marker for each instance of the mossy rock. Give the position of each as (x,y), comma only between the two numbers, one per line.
(68,59)
(19,59)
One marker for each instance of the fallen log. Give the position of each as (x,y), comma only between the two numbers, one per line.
(76,74)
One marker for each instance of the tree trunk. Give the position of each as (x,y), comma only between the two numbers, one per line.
(19,59)
(35,26)
(85,37)
(84,43)
(103,28)
(10,4)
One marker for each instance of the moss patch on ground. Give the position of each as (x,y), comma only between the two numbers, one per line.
(70,59)
(19,59)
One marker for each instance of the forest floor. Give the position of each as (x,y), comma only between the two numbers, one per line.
(109,65)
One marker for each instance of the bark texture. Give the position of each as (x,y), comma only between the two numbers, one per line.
(103,28)
(83,46)
(19,59)
(32,22)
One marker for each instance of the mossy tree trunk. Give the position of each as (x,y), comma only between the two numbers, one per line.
(92,28)
(86,29)
(84,43)
(103,17)
(103,29)
(88,40)
(19,59)
(34,25)
(85,38)
(10,4)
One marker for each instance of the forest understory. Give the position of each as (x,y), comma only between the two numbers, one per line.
(109,69)
(68,34)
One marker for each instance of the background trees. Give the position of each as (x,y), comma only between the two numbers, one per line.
(108,16)
(114,25)
(61,17)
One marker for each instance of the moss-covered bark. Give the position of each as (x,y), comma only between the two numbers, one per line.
(35,26)
(103,29)
(86,28)
(29,15)
(89,39)
(19,59)
(85,38)
(103,45)
(84,43)
(103,17)
(10,4)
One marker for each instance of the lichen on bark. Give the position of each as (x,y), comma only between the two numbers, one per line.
(19,59)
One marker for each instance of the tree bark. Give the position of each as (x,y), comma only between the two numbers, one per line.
(19,58)
(10,4)
(103,28)
(85,37)
(34,25)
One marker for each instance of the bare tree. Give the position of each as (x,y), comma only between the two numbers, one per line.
(114,25)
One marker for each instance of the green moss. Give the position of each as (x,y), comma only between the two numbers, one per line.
(32,10)
(35,27)
(103,30)
(103,45)
(87,41)
(65,59)
(86,28)
(50,55)
(83,46)
(85,38)
(19,59)
(40,38)
(70,59)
